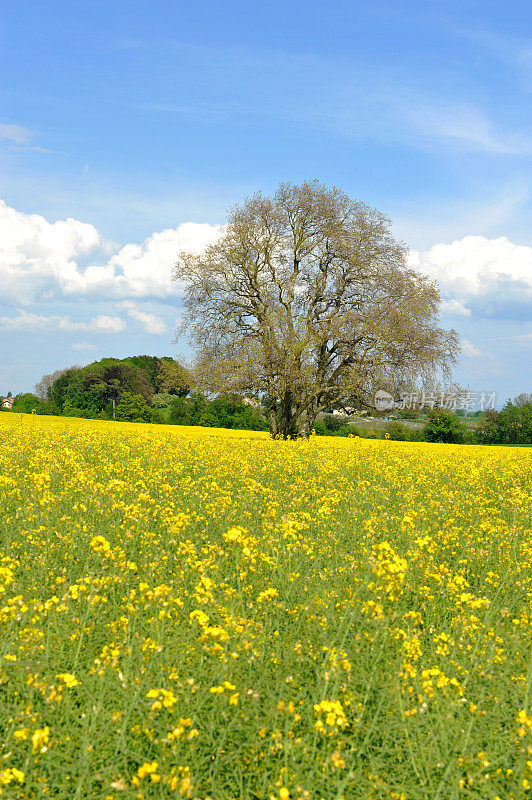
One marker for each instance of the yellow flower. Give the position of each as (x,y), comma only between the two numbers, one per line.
(200,616)
(40,739)
(68,679)
(267,594)
(148,768)
(337,760)
(10,775)
(333,713)
(100,545)
(164,699)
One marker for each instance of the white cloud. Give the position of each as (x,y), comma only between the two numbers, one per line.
(454,308)
(19,138)
(83,346)
(146,269)
(523,337)
(40,260)
(473,263)
(491,276)
(150,322)
(15,134)
(26,321)
(470,350)
(70,260)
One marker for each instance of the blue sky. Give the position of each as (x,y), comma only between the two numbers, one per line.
(128,128)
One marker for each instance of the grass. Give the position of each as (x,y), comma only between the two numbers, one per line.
(200,613)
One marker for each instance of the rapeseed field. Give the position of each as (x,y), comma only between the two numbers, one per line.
(200,613)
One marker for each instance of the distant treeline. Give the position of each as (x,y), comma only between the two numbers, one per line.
(136,389)
(153,389)
(511,426)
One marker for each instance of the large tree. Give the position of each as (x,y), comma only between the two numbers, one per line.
(308,298)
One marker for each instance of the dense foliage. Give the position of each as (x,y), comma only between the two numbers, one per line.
(95,390)
(512,425)
(134,408)
(444,426)
(28,403)
(227,411)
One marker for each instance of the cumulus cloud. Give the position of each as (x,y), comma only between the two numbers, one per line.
(149,322)
(70,260)
(26,321)
(454,308)
(492,277)
(40,260)
(146,270)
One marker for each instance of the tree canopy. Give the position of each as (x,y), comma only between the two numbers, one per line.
(42,387)
(512,425)
(99,387)
(307,297)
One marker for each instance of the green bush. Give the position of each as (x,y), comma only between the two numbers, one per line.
(186,411)
(322,428)
(209,420)
(226,411)
(28,402)
(397,432)
(444,426)
(345,430)
(332,423)
(162,400)
(94,387)
(133,408)
(368,433)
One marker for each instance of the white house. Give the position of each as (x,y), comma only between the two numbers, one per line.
(343,412)
(7,402)
(251,401)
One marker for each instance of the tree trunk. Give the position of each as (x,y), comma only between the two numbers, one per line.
(281,425)
(303,428)
(272,419)
(280,418)
(114,415)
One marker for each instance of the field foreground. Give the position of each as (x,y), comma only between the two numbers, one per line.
(200,613)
